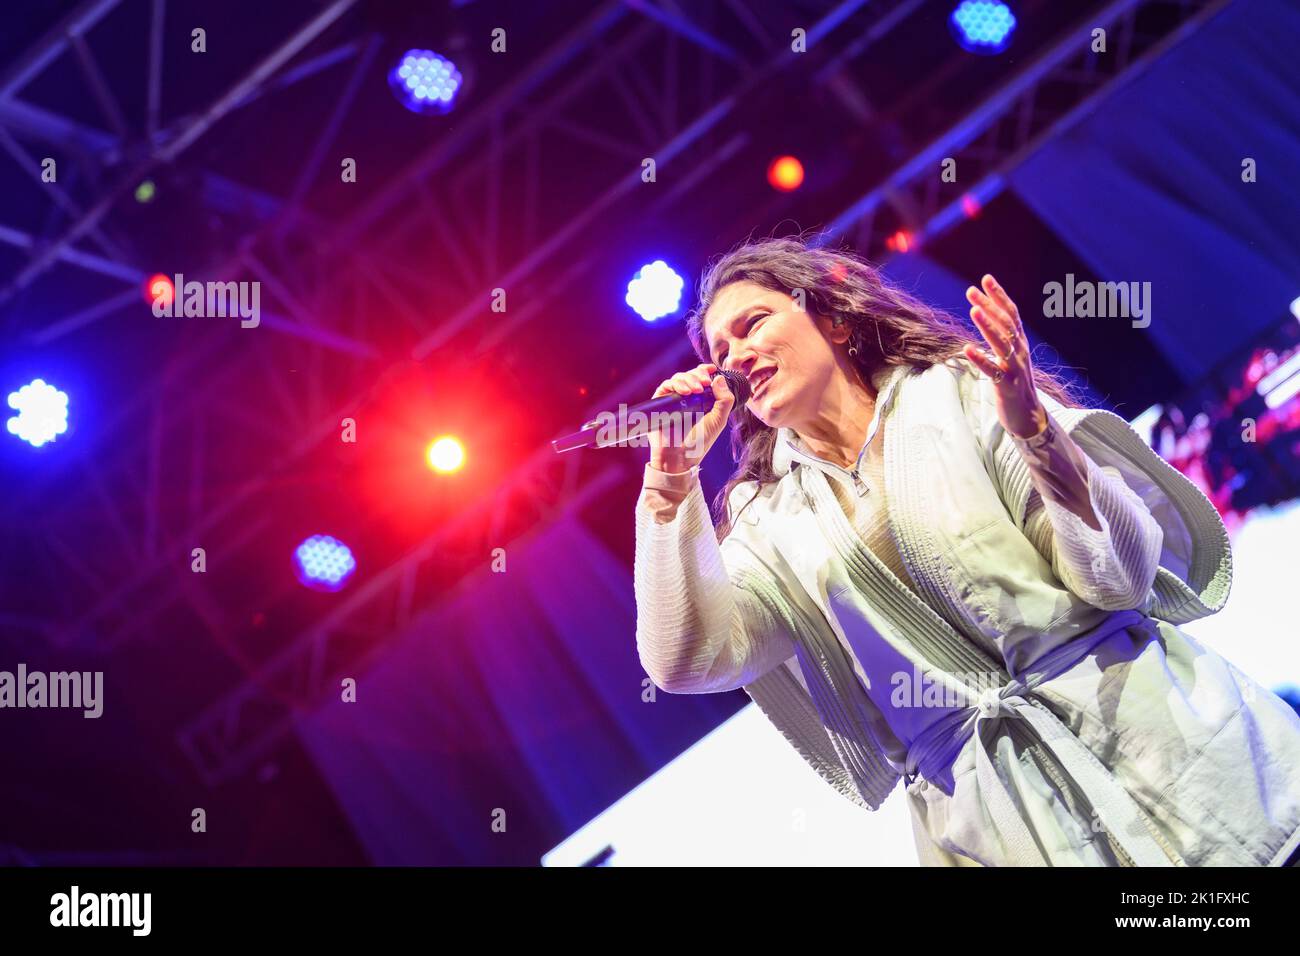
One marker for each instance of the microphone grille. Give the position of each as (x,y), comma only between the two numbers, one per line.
(738,384)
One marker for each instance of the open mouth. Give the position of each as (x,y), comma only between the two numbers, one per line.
(764,377)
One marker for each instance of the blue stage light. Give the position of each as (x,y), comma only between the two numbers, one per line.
(425,82)
(42,413)
(983,26)
(324,562)
(655,290)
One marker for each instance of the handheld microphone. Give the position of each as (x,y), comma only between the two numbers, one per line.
(611,428)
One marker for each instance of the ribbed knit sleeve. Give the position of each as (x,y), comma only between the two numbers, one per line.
(698,631)
(1113,567)
(1142,555)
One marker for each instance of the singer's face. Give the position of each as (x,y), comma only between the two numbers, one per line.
(786,353)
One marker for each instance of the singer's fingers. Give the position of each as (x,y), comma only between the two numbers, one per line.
(706,374)
(689,382)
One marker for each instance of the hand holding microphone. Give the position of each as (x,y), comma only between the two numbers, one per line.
(680,422)
(667,455)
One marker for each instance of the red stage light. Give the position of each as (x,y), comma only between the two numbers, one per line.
(970,206)
(161,288)
(785,173)
(900,241)
(389,476)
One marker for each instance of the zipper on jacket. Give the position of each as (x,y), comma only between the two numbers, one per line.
(859,483)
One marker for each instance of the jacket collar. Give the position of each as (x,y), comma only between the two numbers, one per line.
(790,452)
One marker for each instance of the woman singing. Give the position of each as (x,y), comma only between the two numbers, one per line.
(932,563)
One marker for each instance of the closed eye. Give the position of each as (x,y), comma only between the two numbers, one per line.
(753,321)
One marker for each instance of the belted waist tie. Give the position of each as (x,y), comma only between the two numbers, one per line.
(936,747)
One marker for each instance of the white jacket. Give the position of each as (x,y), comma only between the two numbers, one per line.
(1183,759)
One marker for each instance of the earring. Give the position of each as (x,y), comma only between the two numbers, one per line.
(837,322)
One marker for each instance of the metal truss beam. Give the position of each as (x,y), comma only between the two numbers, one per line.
(1008,127)
(40,55)
(182,138)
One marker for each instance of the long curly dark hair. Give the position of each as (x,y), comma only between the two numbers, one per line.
(888,326)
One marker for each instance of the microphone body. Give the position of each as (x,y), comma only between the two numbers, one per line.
(616,428)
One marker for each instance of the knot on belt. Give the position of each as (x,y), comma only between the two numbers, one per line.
(996,701)
(932,752)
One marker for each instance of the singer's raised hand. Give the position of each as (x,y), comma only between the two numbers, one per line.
(681,442)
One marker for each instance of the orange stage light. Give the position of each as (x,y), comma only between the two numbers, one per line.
(785,173)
